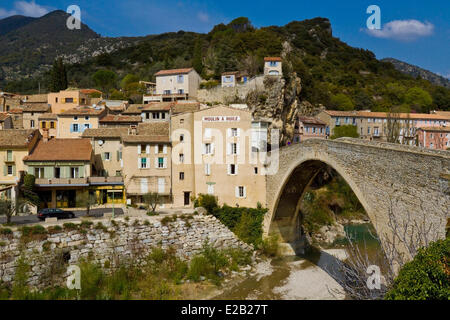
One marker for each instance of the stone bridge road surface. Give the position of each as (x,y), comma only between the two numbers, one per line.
(97,213)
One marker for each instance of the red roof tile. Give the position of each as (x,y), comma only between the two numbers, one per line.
(173,71)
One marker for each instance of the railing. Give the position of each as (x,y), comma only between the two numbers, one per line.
(79,181)
(106,180)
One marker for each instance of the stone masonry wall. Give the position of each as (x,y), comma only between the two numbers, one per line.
(108,243)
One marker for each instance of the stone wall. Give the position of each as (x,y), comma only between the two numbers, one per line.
(108,243)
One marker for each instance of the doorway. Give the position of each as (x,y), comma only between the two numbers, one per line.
(187,198)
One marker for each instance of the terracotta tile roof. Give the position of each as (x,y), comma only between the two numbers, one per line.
(82,111)
(173,71)
(15,111)
(120,118)
(272,59)
(185,107)
(105,133)
(36,107)
(35,98)
(368,114)
(3,116)
(435,129)
(144,138)
(48,116)
(155,106)
(61,150)
(90,91)
(311,120)
(155,128)
(16,138)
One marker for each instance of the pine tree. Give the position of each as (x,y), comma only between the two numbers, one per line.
(58,76)
(197,58)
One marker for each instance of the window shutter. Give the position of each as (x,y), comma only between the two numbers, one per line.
(147,149)
(48,172)
(238,132)
(5,170)
(204,149)
(148,163)
(139,149)
(139,163)
(236,169)
(229,169)
(81,171)
(103,156)
(71,128)
(228,148)
(118,155)
(165,162)
(156,149)
(31,170)
(237,148)
(229,132)
(212,148)
(245,192)
(236,192)
(165,149)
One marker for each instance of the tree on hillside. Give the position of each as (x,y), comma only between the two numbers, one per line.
(342,102)
(197,59)
(129,78)
(105,79)
(58,79)
(348,131)
(419,99)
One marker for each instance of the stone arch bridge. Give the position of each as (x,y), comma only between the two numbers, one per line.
(410,183)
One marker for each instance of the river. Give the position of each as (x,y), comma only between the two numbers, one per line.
(307,277)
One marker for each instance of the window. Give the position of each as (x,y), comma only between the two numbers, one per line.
(347,120)
(368,130)
(75,127)
(56,100)
(180,79)
(69,100)
(240,192)
(181,121)
(166,91)
(181,157)
(86,118)
(160,163)
(75,118)
(210,189)
(208,148)
(181,137)
(87,126)
(52,125)
(234,148)
(181,175)
(9,155)
(107,156)
(256,170)
(155,115)
(10,170)
(43,125)
(234,132)
(74,172)
(207,169)
(163,115)
(57,172)
(180,91)
(31,123)
(143,163)
(273,63)
(232,169)
(39,173)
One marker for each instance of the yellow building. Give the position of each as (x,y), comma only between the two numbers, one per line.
(15,145)
(71,98)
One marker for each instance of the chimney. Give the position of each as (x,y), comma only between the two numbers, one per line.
(45,134)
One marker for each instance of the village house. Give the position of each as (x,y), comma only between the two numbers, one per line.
(48,121)
(374,125)
(147,162)
(434,137)
(31,114)
(114,106)
(71,98)
(150,87)
(6,121)
(72,122)
(307,128)
(17,117)
(233,78)
(175,84)
(61,168)
(152,112)
(9,101)
(15,145)
(273,66)
(213,154)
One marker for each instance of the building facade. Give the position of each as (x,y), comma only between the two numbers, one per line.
(231,79)
(434,137)
(175,84)
(71,98)
(273,66)
(73,122)
(307,128)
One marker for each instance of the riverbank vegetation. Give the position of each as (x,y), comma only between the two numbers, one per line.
(161,276)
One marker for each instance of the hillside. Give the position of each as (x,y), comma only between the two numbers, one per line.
(331,72)
(30,45)
(416,71)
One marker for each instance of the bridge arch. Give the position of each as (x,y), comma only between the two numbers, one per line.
(376,172)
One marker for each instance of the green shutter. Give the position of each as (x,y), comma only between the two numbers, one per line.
(103,156)
(14,170)
(118,155)
(31,170)
(81,171)
(48,172)
(5,171)
(65,172)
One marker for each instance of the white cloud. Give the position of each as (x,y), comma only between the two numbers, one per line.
(403,30)
(204,17)
(29,9)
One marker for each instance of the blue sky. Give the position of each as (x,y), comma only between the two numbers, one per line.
(417,32)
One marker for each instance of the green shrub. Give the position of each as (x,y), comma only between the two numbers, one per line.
(207,201)
(6,232)
(270,245)
(426,277)
(70,226)
(197,268)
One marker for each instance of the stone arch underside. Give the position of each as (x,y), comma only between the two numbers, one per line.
(383,177)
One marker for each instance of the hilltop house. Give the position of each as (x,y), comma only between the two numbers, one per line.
(273,66)
(231,79)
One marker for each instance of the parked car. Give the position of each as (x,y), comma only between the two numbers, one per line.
(55,213)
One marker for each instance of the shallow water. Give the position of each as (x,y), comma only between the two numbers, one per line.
(310,276)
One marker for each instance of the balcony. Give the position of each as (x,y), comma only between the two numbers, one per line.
(57,182)
(106,180)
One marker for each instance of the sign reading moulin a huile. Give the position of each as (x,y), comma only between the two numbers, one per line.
(221,119)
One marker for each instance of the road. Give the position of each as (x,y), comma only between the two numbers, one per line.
(97,213)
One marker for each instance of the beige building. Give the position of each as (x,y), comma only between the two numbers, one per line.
(147,162)
(17,118)
(31,114)
(175,84)
(273,66)
(152,112)
(15,145)
(307,128)
(108,150)
(375,125)
(71,98)
(9,101)
(212,155)
(48,121)
(231,79)
(73,122)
